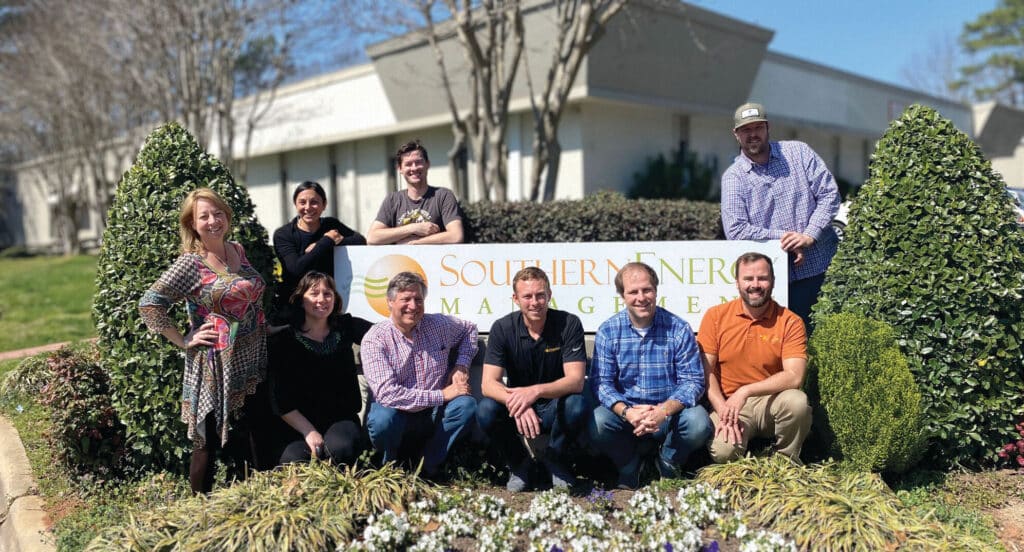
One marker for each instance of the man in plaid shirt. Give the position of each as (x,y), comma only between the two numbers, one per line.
(649,381)
(420,407)
(782,191)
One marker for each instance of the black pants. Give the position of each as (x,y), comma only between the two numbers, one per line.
(342,443)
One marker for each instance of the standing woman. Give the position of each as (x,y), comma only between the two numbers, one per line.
(307,242)
(313,384)
(225,347)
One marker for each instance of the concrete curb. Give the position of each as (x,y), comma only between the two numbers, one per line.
(22,516)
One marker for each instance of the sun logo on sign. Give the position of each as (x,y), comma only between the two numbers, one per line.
(375,282)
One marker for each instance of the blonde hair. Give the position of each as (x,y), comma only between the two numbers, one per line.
(190,242)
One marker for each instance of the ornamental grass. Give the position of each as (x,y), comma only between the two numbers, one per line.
(823,508)
(298,507)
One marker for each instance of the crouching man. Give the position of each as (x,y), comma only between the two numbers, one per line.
(649,381)
(755,357)
(405,360)
(541,352)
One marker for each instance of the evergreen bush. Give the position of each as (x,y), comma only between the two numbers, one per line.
(685,176)
(933,250)
(86,434)
(867,393)
(601,217)
(140,242)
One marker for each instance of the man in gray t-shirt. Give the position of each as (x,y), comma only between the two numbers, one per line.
(420,213)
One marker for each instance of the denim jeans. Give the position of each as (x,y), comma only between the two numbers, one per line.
(441,426)
(803,294)
(679,435)
(562,418)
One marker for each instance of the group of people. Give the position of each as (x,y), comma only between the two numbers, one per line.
(651,385)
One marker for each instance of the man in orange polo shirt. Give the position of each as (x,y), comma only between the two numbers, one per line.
(755,358)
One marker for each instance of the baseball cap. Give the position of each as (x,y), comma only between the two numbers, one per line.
(748,113)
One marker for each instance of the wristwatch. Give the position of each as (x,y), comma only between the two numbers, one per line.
(623,414)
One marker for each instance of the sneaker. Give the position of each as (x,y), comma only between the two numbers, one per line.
(629,481)
(666,469)
(561,478)
(629,475)
(518,478)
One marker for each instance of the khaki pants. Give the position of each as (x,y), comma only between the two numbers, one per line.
(785,416)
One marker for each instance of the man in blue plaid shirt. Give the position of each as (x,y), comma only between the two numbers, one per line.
(649,379)
(782,191)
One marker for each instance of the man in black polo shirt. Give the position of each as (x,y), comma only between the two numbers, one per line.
(541,352)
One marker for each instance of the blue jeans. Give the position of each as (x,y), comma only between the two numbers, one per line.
(563,418)
(440,427)
(803,294)
(679,435)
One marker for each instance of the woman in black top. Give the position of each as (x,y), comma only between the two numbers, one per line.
(307,242)
(313,383)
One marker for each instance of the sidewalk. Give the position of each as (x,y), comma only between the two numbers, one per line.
(23,526)
(21,353)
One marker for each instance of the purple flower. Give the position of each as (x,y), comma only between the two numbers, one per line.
(710,547)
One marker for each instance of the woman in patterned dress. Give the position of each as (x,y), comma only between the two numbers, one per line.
(313,382)
(225,347)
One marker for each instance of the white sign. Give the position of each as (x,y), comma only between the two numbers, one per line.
(473,281)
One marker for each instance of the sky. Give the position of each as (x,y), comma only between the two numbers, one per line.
(872,38)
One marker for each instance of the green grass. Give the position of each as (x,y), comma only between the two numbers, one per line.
(46,300)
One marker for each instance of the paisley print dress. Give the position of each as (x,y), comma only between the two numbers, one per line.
(217,379)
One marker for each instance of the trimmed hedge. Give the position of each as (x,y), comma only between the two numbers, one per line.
(601,217)
(140,242)
(869,396)
(933,250)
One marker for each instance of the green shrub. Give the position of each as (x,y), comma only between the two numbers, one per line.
(600,217)
(28,378)
(932,249)
(684,177)
(867,392)
(140,242)
(85,433)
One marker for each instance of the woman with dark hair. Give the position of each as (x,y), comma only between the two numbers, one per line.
(307,241)
(313,383)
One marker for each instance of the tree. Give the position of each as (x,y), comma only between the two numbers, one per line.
(140,242)
(932,249)
(936,69)
(581,23)
(493,40)
(996,35)
(81,83)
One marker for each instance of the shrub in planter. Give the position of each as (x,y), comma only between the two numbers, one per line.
(86,434)
(932,249)
(604,216)
(867,392)
(141,240)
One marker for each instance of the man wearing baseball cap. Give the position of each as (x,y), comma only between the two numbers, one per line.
(781,191)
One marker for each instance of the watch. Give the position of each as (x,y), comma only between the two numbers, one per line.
(623,414)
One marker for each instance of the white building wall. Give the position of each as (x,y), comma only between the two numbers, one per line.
(31,194)
(371,168)
(618,141)
(265,191)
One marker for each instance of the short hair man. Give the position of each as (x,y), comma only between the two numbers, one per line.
(755,357)
(649,381)
(420,213)
(541,352)
(405,360)
(782,191)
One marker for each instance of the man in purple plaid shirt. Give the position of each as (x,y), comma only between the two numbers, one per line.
(782,191)
(420,407)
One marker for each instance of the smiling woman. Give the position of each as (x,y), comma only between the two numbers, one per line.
(225,347)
